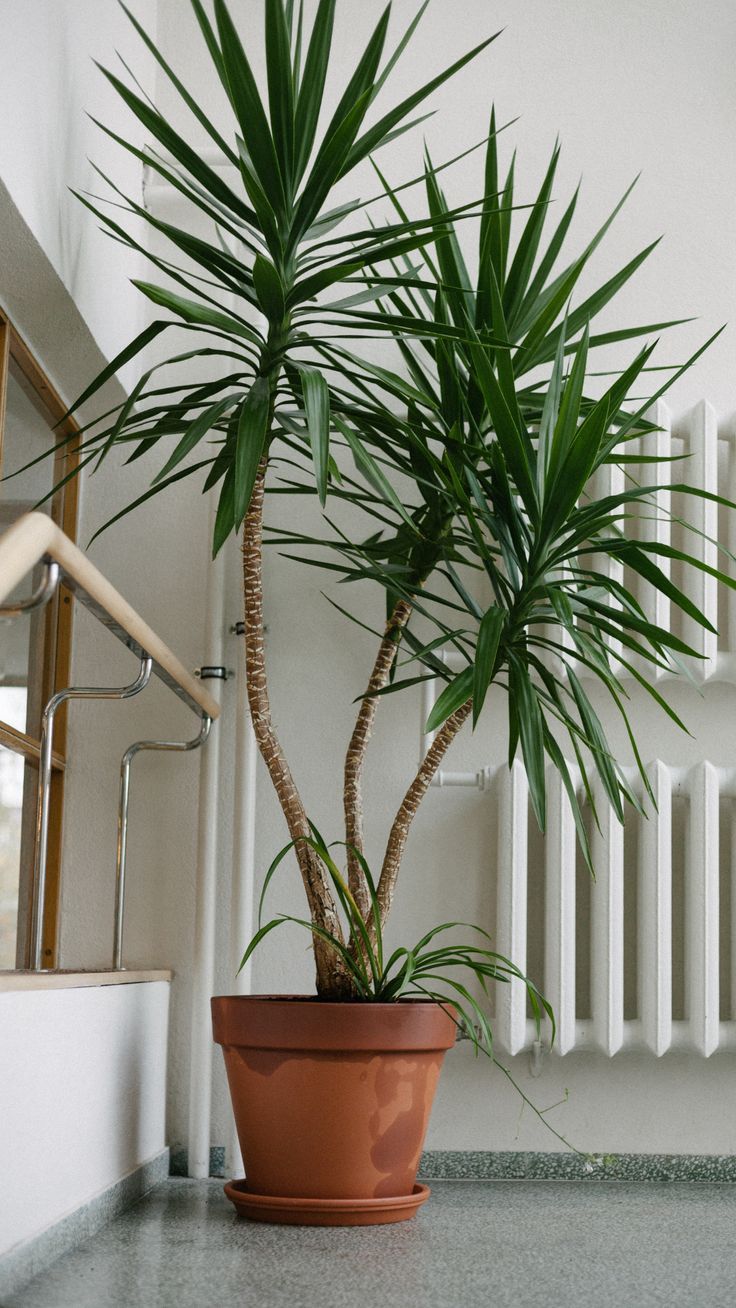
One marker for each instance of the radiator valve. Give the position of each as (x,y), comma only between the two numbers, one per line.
(536,1058)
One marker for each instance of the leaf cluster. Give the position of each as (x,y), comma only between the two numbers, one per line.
(508,545)
(275,249)
(431,969)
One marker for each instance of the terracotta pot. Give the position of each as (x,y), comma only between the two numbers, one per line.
(331,1103)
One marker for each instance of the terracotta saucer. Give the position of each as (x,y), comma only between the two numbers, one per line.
(324,1212)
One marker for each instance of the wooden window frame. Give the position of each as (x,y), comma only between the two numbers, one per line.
(56,617)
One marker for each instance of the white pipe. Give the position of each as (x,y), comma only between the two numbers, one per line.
(429,695)
(243,870)
(728,434)
(200,1081)
(478,780)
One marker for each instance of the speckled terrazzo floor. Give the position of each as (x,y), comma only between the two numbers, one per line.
(532,1244)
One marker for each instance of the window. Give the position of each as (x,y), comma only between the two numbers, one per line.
(34,648)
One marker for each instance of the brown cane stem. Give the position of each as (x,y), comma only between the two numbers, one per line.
(355,757)
(332,977)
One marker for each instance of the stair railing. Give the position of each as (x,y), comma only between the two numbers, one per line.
(35,539)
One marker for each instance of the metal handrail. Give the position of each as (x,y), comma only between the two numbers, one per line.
(35,539)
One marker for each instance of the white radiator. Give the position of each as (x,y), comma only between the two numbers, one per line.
(676,870)
(644,957)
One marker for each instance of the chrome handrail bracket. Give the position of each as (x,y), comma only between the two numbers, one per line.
(40,596)
(44,788)
(178,746)
(102,615)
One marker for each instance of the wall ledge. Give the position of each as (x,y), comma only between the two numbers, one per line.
(69,979)
(527,1165)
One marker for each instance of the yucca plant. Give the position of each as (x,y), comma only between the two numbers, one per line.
(506,472)
(474,478)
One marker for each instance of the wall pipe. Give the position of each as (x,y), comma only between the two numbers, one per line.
(243,861)
(203,971)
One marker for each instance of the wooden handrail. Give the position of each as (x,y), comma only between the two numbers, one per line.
(35,538)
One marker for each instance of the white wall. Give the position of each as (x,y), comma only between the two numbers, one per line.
(49,85)
(628,86)
(82,1097)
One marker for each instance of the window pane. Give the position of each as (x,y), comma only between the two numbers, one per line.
(12,770)
(13,699)
(28,433)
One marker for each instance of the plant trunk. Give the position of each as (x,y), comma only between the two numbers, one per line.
(355,757)
(410,803)
(333,980)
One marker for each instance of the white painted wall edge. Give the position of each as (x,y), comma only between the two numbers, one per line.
(72,980)
(41,308)
(82,1097)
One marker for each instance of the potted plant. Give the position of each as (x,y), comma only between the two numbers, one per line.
(471,460)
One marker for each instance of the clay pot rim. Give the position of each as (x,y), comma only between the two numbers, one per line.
(376,1004)
(302,1022)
